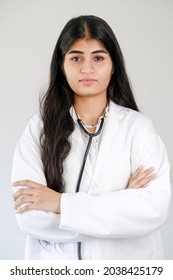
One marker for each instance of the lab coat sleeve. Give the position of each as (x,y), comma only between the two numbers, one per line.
(126,213)
(27,165)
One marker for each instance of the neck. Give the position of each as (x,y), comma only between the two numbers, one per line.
(90,109)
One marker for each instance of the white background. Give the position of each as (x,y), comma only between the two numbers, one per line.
(28,32)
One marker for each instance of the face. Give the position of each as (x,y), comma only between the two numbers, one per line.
(88,68)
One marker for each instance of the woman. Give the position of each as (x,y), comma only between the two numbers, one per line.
(74,192)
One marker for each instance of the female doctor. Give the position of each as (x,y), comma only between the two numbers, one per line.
(90,175)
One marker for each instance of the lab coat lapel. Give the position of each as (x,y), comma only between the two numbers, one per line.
(112,123)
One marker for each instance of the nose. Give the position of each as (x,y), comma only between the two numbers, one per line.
(87,67)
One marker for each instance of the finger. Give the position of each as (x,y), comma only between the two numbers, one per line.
(145,174)
(137,172)
(23,192)
(136,181)
(145,181)
(27,207)
(26,183)
(23,200)
(149,171)
(140,176)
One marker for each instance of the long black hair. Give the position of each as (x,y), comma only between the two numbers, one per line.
(58,99)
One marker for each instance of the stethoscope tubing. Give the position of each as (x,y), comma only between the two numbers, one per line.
(87,132)
(91,135)
(83,163)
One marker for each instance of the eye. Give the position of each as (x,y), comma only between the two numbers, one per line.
(76,58)
(98,58)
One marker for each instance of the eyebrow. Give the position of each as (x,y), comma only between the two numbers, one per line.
(80,52)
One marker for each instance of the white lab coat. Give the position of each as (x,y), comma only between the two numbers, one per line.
(112,222)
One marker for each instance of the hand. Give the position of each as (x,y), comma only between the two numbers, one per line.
(35,196)
(141,177)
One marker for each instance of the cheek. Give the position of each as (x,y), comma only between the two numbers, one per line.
(69,75)
(107,76)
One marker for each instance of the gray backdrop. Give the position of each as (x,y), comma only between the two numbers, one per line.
(28,33)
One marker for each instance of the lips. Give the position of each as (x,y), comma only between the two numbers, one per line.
(87,81)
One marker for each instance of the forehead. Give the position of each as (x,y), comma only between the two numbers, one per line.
(87,45)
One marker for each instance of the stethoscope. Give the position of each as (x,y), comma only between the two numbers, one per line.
(91,135)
